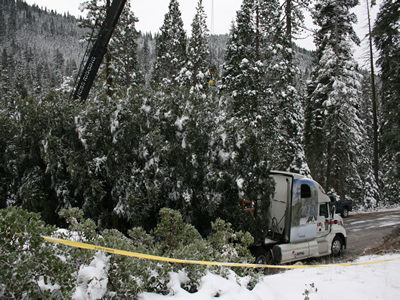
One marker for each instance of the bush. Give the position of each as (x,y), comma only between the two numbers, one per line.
(29,267)
(41,269)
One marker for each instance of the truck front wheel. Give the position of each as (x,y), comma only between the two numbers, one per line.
(337,246)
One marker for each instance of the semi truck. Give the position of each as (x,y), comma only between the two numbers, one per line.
(301,223)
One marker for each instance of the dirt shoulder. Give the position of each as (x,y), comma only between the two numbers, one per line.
(390,244)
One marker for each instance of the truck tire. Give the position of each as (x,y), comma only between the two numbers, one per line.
(263,257)
(337,246)
(345,212)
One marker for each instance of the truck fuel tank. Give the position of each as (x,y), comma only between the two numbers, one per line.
(284,253)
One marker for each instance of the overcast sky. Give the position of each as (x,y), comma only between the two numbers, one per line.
(151,15)
(151,12)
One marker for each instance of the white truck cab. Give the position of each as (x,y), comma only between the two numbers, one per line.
(301,224)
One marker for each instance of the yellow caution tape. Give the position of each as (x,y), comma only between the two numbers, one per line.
(198,262)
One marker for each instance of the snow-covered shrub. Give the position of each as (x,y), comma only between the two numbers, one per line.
(92,280)
(80,230)
(180,240)
(126,275)
(29,267)
(232,246)
(172,238)
(84,230)
(177,239)
(172,233)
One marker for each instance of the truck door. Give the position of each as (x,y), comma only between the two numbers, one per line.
(323,219)
(323,228)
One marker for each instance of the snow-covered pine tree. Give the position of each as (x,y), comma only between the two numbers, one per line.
(386,33)
(295,17)
(248,131)
(373,94)
(243,67)
(58,62)
(61,153)
(369,192)
(281,73)
(146,56)
(196,72)
(123,50)
(5,78)
(112,134)
(3,31)
(260,74)
(171,49)
(170,158)
(335,130)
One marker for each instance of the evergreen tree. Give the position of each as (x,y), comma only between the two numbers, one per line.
(197,71)
(5,78)
(373,94)
(334,128)
(243,68)
(260,73)
(95,15)
(123,50)
(25,170)
(145,57)
(386,33)
(249,127)
(58,62)
(288,152)
(370,190)
(8,141)
(294,17)
(3,28)
(12,20)
(171,49)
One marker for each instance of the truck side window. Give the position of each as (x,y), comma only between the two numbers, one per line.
(305,191)
(323,210)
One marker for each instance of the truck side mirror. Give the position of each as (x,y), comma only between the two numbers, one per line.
(333,211)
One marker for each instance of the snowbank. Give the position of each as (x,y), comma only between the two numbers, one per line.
(378,281)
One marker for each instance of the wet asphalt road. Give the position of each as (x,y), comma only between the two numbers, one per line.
(366,230)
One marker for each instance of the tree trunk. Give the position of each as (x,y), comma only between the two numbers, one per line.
(374,110)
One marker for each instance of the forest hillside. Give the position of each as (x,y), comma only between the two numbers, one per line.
(191,122)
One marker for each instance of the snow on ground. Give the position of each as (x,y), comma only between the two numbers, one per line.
(376,281)
(373,281)
(362,210)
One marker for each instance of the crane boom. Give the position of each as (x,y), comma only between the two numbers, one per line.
(99,50)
